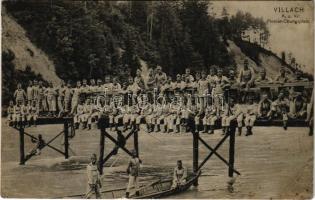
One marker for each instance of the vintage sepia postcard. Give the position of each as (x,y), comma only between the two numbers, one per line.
(157,99)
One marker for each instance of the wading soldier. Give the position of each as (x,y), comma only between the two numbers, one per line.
(93,179)
(133,172)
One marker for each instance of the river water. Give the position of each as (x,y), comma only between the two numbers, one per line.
(273,164)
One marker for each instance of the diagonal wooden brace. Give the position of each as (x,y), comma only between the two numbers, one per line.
(213,151)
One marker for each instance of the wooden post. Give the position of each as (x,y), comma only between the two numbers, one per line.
(102,147)
(195,152)
(135,141)
(22,153)
(232,148)
(102,125)
(66,135)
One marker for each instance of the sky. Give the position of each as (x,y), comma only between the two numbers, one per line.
(296,38)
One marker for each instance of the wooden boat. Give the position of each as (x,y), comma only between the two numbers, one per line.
(156,189)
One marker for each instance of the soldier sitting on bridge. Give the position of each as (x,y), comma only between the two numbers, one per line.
(264,107)
(262,78)
(282,77)
(279,108)
(250,116)
(231,112)
(246,76)
(298,106)
(299,77)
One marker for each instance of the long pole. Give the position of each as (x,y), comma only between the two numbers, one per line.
(22,153)
(195,152)
(136,142)
(232,148)
(66,134)
(102,147)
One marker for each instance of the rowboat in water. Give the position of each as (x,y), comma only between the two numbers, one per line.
(156,189)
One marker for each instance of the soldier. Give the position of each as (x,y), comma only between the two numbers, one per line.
(93,177)
(88,112)
(151,83)
(298,106)
(264,107)
(99,87)
(61,98)
(148,113)
(299,77)
(139,80)
(212,77)
(68,92)
(85,88)
(17,113)
(33,113)
(232,78)
(250,116)
(202,89)
(282,77)
(51,94)
(188,77)
(10,111)
(133,172)
(19,94)
(231,112)
(75,97)
(280,107)
(36,92)
(263,79)
(79,116)
(29,92)
(92,87)
(116,87)
(133,89)
(221,82)
(167,86)
(209,120)
(25,113)
(107,86)
(160,77)
(42,97)
(246,76)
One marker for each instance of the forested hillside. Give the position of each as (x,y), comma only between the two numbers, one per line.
(90,39)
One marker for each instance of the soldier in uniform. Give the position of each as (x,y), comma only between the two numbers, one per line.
(280,107)
(79,117)
(19,94)
(35,92)
(188,77)
(108,85)
(202,89)
(99,86)
(92,86)
(246,76)
(10,111)
(89,113)
(221,82)
(29,92)
(139,80)
(51,94)
(151,83)
(282,77)
(61,98)
(250,116)
(116,87)
(93,177)
(25,112)
(264,107)
(42,97)
(298,106)
(33,113)
(160,77)
(75,97)
(263,78)
(212,77)
(17,113)
(67,97)
(231,112)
